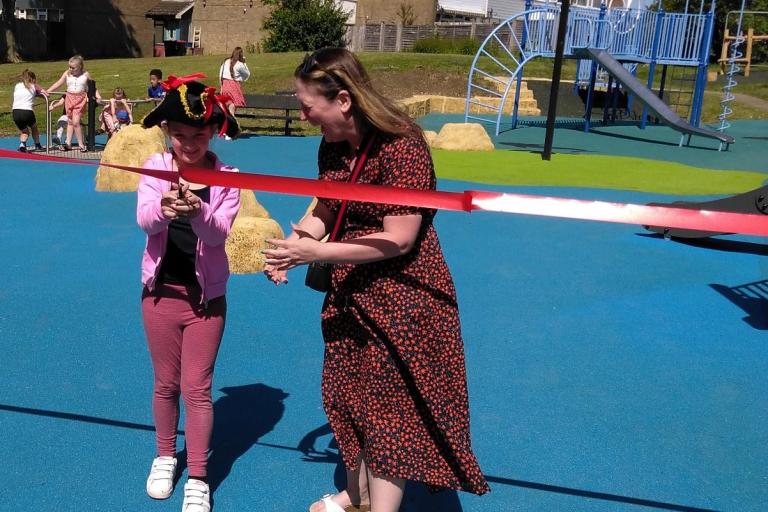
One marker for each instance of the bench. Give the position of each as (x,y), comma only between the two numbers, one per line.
(284,107)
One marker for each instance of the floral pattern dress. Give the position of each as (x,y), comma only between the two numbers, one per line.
(394,379)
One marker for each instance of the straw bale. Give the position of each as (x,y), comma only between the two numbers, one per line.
(246,240)
(250,206)
(463,137)
(430,137)
(130,146)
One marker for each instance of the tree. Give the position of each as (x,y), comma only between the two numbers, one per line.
(405,14)
(722,7)
(8,23)
(304,25)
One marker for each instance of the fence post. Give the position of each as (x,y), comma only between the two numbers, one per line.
(361,36)
(381,37)
(472,29)
(399,37)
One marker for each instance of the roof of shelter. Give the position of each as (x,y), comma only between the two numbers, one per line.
(466,7)
(174,8)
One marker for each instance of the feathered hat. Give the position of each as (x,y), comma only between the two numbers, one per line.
(193,103)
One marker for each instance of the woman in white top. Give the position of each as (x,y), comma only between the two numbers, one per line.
(76,78)
(233,73)
(23,114)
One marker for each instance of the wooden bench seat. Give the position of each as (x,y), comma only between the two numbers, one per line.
(283,107)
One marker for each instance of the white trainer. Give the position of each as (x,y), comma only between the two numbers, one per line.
(160,479)
(197,497)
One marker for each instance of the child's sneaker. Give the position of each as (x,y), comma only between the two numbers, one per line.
(197,497)
(23,148)
(161,476)
(38,147)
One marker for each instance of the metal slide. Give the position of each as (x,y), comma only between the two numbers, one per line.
(647,96)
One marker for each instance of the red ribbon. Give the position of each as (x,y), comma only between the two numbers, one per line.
(469,200)
(174,82)
(220,100)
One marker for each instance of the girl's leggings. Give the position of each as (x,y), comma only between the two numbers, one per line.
(183,338)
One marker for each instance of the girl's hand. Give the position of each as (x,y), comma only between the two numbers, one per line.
(288,254)
(276,276)
(168,203)
(192,204)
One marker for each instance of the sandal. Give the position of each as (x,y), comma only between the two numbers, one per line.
(65,147)
(332,506)
(83,149)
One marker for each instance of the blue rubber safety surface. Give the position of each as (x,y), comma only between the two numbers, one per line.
(609,369)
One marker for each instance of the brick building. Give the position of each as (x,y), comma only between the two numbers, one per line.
(383,11)
(109,28)
(135,28)
(224,24)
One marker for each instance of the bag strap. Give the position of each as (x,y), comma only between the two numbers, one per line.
(358,167)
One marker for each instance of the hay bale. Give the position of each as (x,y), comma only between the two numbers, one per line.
(250,206)
(245,242)
(130,146)
(430,137)
(463,137)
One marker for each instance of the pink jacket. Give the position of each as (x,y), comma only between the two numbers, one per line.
(211,226)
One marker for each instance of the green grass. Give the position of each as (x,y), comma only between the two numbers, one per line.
(274,71)
(590,171)
(270,72)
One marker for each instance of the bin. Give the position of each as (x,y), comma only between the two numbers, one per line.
(175,48)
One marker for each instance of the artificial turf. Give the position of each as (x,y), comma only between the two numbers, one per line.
(591,171)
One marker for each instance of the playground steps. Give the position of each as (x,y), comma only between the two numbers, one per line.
(421,105)
(527,104)
(499,83)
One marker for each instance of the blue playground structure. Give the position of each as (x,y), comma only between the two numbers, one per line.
(607,42)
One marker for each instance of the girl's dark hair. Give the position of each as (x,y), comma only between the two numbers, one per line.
(332,70)
(237,56)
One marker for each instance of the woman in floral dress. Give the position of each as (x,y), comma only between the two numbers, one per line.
(394,381)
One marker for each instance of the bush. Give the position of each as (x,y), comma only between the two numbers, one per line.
(303,25)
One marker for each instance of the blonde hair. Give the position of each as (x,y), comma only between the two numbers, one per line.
(332,70)
(28,77)
(79,60)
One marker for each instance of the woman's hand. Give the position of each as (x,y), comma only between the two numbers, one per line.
(288,254)
(276,276)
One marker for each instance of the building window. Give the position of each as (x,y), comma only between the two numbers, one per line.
(42,14)
(21,14)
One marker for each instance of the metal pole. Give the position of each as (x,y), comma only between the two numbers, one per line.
(652,66)
(91,139)
(519,82)
(593,72)
(554,90)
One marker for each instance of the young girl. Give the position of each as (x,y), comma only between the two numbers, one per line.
(184,272)
(62,122)
(232,73)
(117,113)
(23,115)
(76,78)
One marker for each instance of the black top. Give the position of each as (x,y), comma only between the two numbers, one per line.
(178,266)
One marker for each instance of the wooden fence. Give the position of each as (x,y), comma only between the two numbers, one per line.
(385,37)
